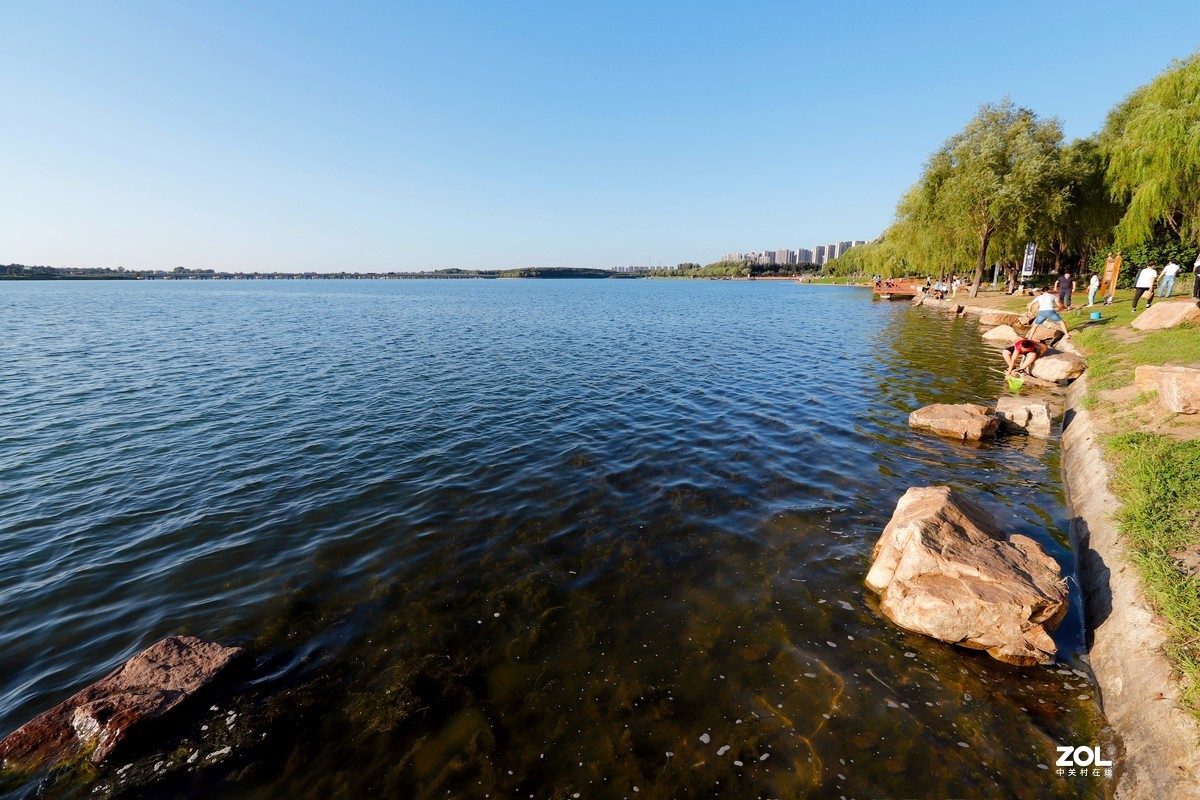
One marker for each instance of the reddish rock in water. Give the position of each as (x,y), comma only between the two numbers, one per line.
(99,718)
(942,568)
(963,421)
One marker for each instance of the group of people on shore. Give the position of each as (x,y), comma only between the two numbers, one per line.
(1046,306)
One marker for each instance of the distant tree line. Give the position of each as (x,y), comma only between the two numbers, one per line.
(736,269)
(1008,178)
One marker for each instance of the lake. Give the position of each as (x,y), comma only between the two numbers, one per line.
(515,538)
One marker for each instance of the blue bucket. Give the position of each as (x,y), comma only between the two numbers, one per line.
(1095,315)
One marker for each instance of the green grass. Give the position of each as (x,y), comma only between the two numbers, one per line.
(1156,478)
(1112,358)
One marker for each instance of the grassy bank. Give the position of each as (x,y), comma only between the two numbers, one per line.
(1114,349)
(1155,456)
(1156,477)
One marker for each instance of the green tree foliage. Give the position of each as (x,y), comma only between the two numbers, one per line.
(998,175)
(1152,140)
(1082,225)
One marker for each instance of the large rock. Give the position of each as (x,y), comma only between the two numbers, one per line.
(1178,387)
(105,714)
(1059,366)
(1021,415)
(964,421)
(942,568)
(1145,378)
(1168,315)
(1002,333)
(999,318)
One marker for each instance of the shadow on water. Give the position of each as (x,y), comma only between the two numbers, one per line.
(567,559)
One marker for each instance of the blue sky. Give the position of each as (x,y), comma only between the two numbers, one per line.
(404,136)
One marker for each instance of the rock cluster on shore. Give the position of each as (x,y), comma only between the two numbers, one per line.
(943,568)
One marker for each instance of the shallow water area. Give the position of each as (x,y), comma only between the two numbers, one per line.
(515,538)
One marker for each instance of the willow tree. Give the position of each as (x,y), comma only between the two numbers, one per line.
(924,234)
(1083,222)
(999,171)
(1152,140)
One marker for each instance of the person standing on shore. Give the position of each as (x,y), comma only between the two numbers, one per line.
(1066,285)
(1167,284)
(1196,278)
(1144,284)
(1047,307)
(1093,287)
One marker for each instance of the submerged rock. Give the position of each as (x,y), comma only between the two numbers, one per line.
(1168,314)
(1178,387)
(102,716)
(943,568)
(1021,415)
(1059,366)
(963,421)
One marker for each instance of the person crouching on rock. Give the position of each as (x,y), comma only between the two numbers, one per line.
(1023,347)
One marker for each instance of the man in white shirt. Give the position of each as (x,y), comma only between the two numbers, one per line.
(1144,284)
(1047,306)
(1167,285)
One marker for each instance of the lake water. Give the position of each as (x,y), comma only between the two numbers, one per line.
(514,538)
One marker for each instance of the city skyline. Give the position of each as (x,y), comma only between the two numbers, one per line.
(817,254)
(239,137)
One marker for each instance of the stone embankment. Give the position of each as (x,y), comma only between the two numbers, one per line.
(1139,690)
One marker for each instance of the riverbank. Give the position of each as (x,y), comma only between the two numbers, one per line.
(1141,607)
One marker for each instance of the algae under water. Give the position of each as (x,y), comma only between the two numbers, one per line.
(514,538)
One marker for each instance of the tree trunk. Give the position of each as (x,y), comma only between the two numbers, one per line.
(987,238)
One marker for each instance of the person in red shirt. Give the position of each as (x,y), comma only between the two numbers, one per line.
(1023,347)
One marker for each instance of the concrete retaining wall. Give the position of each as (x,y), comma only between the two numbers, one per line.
(1139,691)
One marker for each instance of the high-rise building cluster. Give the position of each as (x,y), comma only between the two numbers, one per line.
(819,255)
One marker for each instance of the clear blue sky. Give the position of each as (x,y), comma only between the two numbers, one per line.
(402,136)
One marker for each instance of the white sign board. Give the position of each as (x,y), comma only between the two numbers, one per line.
(1030,253)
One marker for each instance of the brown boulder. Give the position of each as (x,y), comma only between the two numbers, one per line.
(942,568)
(1178,387)
(1168,314)
(999,318)
(963,421)
(1059,366)
(102,716)
(1145,378)
(1020,415)
(1002,333)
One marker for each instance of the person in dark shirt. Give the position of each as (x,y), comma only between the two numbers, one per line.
(1066,285)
